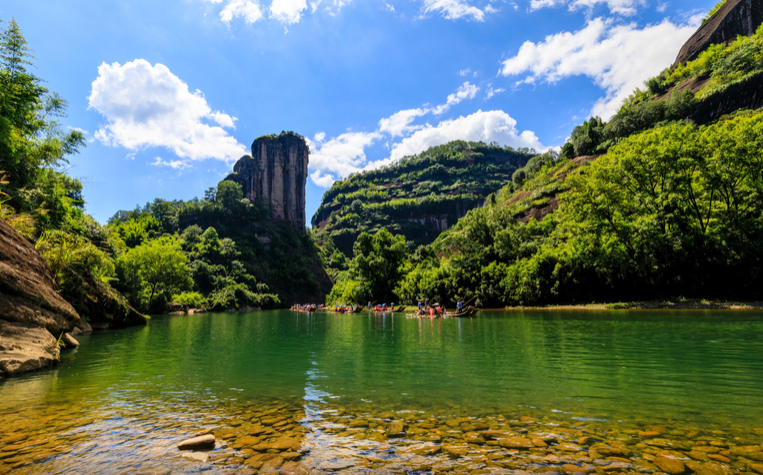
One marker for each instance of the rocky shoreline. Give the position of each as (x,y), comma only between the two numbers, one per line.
(288,438)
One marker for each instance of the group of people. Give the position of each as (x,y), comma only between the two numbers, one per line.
(382,307)
(310,307)
(437,309)
(342,308)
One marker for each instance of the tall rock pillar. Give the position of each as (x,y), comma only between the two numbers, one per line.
(277,172)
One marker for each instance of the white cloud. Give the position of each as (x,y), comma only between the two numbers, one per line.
(465,72)
(466,91)
(398,124)
(389,7)
(453,9)
(492,92)
(148,106)
(324,181)
(617,57)
(249,10)
(490,9)
(621,7)
(485,126)
(287,11)
(341,155)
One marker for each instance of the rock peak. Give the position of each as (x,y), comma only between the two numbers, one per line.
(276,173)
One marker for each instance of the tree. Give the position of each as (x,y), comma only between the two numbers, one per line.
(32,142)
(378,261)
(156,270)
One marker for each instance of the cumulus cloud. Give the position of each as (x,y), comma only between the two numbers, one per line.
(617,57)
(488,126)
(339,156)
(453,9)
(148,106)
(399,123)
(620,7)
(248,10)
(466,91)
(287,11)
(465,72)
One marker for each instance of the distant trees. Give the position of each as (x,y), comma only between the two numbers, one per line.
(377,267)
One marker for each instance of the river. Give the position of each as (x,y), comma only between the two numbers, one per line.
(370,393)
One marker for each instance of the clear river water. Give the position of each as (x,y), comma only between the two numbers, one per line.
(502,392)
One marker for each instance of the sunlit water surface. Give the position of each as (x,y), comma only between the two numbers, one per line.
(122,401)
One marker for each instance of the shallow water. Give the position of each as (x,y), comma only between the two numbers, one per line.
(122,401)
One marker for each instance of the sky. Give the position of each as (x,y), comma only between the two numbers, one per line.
(170,94)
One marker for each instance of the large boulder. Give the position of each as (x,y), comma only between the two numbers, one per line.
(27,287)
(734,18)
(24,348)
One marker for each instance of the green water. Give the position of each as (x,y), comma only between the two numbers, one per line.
(704,365)
(701,368)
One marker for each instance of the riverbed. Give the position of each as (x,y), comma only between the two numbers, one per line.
(502,392)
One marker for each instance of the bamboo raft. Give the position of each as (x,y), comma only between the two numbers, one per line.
(467,312)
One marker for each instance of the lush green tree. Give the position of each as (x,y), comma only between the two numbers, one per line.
(378,261)
(32,142)
(154,271)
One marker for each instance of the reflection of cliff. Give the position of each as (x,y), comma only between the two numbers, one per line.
(276,174)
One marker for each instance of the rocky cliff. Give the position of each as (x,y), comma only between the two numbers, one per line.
(32,314)
(276,174)
(734,18)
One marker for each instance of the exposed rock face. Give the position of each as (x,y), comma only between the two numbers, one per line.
(24,348)
(277,173)
(736,17)
(27,287)
(31,311)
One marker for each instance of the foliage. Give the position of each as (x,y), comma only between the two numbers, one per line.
(153,271)
(714,10)
(533,166)
(674,210)
(375,270)
(405,197)
(191,299)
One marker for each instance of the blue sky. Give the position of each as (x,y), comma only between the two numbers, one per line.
(171,93)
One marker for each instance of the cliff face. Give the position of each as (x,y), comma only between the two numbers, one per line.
(276,172)
(736,17)
(31,311)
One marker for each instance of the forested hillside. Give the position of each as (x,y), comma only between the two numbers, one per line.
(419,197)
(662,201)
(235,254)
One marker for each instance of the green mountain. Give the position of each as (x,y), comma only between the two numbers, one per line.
(418,197)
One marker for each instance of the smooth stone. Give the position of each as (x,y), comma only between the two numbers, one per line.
(198,443)
(196,456)
(69,341)
(338,465)
(395,429)
(670,465)
(517,443)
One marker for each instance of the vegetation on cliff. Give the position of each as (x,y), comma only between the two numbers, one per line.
(417,197)
(675,95)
